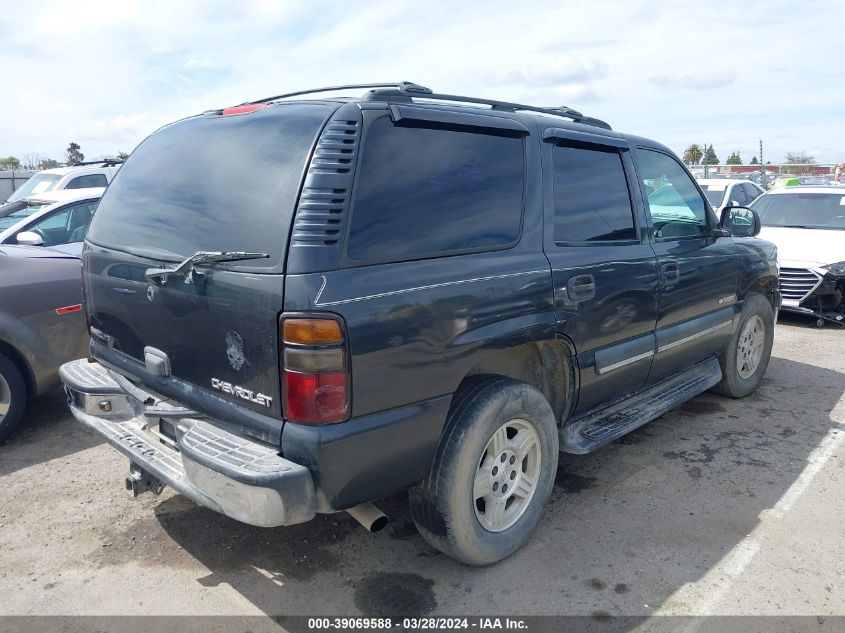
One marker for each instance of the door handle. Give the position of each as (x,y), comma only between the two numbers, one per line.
(671,272)
(581,287)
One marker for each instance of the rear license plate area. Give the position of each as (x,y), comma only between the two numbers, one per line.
(167,431)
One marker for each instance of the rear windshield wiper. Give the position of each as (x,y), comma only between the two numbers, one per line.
(200,258)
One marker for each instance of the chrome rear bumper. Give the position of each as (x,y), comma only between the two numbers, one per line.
(239,477)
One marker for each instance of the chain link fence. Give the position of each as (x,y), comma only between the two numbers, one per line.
(11,180)
(764,174)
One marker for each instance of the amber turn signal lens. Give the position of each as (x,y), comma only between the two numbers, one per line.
(311,331)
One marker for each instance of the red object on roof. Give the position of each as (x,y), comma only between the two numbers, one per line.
(244,109)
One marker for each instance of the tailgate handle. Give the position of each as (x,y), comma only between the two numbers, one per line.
(160,411)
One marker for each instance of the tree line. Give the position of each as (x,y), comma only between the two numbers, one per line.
(696,155)
(35,162)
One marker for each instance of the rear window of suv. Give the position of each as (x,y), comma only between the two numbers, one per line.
(212,183)
(425,192)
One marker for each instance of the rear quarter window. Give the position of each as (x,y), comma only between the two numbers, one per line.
(424,192)
(84,182)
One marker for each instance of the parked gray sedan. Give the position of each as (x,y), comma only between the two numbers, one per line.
(42,324)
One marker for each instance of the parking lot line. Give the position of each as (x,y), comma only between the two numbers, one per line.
(720,579)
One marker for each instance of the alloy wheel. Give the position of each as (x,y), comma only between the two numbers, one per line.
(5,398)
(507,475)
(750,347)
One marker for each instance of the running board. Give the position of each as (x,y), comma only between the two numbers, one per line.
(599,427)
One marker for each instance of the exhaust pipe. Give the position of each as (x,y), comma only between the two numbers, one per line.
(373,519)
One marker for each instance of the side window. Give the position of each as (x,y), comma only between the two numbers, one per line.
(80,218)
(738,195)
(64,225)
(752,192)
(592,201)
(53,228)
(423,192)
(676,207)
(91,180)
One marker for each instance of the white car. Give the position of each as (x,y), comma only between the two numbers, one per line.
(723,192)
(55,218)
(85,176)
(807,224)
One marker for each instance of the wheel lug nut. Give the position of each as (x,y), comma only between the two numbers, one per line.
(513,475)
(505,488)
(495,470)
(495,486)
(504,457)
(513,459)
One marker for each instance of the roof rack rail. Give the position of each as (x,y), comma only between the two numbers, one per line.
(505,106)
(106,161)
(402,86)
(409,90)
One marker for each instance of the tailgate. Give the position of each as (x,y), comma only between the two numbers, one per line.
(219,334)
(214,182)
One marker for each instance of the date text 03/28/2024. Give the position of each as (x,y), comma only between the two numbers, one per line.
(414,624)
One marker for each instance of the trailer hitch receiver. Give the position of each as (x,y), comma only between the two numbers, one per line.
(139,481)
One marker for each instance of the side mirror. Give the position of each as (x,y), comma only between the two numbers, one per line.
(740,221)
(30,238)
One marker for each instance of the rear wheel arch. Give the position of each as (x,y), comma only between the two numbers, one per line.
(547,365)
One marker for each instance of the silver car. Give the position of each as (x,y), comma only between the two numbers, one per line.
(724,192)
(54,218)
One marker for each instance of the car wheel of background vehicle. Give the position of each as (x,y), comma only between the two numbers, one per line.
(12,397)
(748,350)
(492,474)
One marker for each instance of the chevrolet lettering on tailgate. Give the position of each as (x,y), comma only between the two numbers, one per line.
(241,392)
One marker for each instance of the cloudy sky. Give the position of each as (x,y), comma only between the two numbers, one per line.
(106,74)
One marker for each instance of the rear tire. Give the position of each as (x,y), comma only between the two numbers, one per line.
(12,397)
(492,474)
(748,350)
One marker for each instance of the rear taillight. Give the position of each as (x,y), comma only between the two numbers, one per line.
(315,370)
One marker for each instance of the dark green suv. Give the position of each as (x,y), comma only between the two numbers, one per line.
(304,304)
